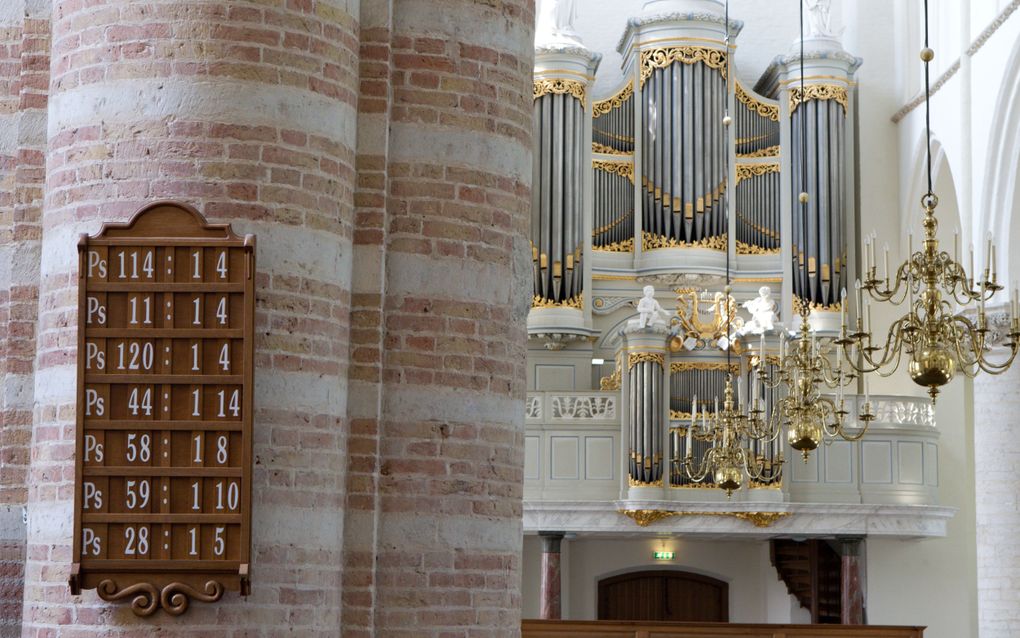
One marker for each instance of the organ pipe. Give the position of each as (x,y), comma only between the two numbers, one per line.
(646,419)
(557,223)
(819,236)
(683,152)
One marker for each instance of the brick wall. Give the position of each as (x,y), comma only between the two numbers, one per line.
(246,111)
(455,305)
(380,150)
(24,78)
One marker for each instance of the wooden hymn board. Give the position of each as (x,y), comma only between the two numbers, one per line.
(164,411)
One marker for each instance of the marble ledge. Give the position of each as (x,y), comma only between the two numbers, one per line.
(739,520)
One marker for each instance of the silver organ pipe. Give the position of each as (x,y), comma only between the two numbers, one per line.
(819,242)
(645,380)
(613,123)
(557,192)
(683,96)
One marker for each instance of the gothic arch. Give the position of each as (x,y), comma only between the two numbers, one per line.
(1001,200)
(944,185)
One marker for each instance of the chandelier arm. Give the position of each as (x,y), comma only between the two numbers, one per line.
(853,437)
(891,351)
(697,475)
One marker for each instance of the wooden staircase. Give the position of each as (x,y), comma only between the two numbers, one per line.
(812,572)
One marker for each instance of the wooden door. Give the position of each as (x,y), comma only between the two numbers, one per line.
(663,595)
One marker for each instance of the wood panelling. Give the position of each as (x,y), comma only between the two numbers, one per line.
(623,629)
(663,595)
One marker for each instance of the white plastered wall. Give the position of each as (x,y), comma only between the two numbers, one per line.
(756,593)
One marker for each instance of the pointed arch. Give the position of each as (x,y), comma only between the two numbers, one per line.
(944,185)
(1001,199)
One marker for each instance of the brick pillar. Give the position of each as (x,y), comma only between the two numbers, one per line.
(852,581)
(997,468)
(455,293)
(551,578)
(24,83)
(247,111)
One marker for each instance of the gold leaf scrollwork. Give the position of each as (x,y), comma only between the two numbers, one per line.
(612,382)
(644,518)
(768,151)
(761,519)
(623,169)
(640,357)
(625,246)
(576,301)
(746,171)
(600,108)
(798,303)
(662,57)
(651,241)
(743,248)
(560,86)
(607,150)
(716,366)
(770,111)
(633,482)
(818,92)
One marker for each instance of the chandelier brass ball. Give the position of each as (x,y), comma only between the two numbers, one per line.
(727,120)
(803,197)
(927,54)
(804,436)
(932,366)
(728,478)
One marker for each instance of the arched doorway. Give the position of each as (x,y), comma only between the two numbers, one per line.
(663,595)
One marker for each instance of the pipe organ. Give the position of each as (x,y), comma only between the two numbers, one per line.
(639,187)
(613,209)
(683,155)
(819,247)
(562,155)
(613,123)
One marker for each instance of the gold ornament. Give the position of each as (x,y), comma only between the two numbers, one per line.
(607,150)
(644,518)
(560,86)
(640,357)
(651,241)
(600,108)
(768,151)
(625,246)
(745,171)
(623,169)
(818,92)
(660,58)
(576,301)
(771,111)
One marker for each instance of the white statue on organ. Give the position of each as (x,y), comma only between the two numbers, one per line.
(555,24)
(763,313)
(649,310)
(818,18)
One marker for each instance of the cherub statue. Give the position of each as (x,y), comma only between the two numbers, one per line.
(763,313)
(649,310)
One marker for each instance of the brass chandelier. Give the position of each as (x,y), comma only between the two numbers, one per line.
(808,416)
(727,460)
(936,341)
